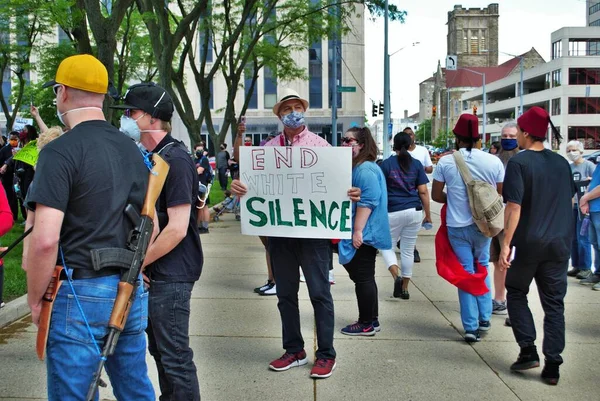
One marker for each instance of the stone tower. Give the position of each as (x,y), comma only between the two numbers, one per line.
(473,35)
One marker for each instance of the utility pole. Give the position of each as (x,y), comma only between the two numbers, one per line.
(336,84)
(386,87)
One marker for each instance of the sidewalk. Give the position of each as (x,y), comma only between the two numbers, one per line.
(418,355)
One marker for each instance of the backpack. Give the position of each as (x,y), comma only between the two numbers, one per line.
(485,202)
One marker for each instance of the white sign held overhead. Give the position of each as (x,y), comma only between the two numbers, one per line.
(296,192)
(451,62)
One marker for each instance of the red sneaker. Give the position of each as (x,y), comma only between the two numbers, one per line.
(323,368)
(289,360)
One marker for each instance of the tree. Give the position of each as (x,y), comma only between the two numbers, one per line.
(21,24)
(441,139)
(244,37)
(423,134)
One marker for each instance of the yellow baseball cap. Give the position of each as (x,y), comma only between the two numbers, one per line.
(84,72)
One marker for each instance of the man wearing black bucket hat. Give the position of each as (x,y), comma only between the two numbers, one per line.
(174,260)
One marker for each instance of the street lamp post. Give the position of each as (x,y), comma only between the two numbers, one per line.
(484,97)
(387,109)
(386,86)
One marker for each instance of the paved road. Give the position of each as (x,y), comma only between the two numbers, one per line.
(418,355)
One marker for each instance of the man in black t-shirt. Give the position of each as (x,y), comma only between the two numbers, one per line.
(538,191)
(174,260)
(83,183)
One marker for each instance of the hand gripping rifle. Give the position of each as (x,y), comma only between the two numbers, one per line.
(139,239)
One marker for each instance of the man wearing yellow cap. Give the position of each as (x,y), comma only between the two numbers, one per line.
(83,182)
(538,220)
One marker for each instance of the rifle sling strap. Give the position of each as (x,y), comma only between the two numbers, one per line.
(111,257)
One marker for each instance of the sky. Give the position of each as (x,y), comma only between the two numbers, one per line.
(523,24)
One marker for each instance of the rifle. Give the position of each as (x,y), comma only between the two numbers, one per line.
(16,242)
(138,241)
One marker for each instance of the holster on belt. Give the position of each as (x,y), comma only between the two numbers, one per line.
(111,257)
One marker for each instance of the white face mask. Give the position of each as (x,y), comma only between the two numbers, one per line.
(573,155)
(61,115)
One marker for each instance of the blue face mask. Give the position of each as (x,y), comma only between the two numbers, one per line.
(508,144)
(130,128)
(293,120)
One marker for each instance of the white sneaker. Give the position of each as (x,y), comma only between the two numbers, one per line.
(302,278)
(331,277)
(2,305)
(270,291)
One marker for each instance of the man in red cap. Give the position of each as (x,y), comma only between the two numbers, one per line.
(538,223)
(467,241)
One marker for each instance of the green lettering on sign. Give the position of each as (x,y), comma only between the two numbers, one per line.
(262,218)
(298,211)
(344,227)
(280,221)
(333,206)
(318,214)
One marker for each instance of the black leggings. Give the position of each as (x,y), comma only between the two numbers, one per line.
(362,271)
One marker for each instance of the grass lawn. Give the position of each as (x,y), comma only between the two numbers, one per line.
(15,283)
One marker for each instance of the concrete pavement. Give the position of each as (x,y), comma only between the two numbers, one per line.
(418,355)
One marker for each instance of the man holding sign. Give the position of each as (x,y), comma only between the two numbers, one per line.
(275,206)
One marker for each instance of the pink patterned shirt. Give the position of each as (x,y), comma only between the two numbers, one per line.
(305,138)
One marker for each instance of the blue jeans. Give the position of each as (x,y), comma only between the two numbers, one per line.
(593,235)
(169,340)
(581,250)
(72,358)
(469,244)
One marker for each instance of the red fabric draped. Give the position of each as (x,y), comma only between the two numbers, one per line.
(450,269)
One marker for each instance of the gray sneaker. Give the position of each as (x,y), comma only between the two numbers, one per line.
(499,308)
(592,279)
(583,274)
(596,287)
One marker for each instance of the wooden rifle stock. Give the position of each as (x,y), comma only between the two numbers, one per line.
(140,239)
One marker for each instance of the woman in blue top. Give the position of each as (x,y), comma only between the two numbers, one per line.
(370,230)
(408,196)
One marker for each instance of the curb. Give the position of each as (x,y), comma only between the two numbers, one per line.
(18,308)
(13,311)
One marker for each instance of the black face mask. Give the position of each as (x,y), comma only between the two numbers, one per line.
(199,153)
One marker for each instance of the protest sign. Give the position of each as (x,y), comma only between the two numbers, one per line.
(20,123)
(297,192)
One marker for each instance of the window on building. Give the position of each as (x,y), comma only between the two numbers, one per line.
(482,45)
(555,107)
(205,40)
(583,47)
(555,144)
(253,97)
(465,105)
(594,8)
(595,23)
(270,88)
(547,84)
(589,136)
(556,50)
(556,78)
(315,75)
(474,45)
(6,86)
(584,76)
(465,42)
(334,82)
(211,101)
(584,105)
(456,102)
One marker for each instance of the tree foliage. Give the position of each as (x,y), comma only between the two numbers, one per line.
(423,134)
(441,139)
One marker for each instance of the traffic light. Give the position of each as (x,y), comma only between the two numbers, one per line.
(433,111)
(380,108)
(474,110)
(374,110)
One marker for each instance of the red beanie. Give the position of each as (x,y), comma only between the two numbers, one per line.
(535,122)
(467,126)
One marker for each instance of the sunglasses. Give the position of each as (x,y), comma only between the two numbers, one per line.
(346,140)
(55,89)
